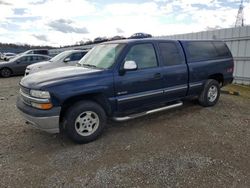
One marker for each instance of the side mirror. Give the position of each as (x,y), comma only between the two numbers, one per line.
(66,60)
(130,65)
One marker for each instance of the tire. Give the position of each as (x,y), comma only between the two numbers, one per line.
(5,72)
(85,121)
(210,94)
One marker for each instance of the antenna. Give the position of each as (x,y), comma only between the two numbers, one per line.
(240,16)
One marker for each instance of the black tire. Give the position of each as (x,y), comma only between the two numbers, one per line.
(5,72)
(73,114)
(205,98)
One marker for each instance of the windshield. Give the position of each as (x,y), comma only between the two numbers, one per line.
(27,52)
(59,56)
(102,56)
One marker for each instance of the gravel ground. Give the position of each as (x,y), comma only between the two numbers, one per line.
(190,146)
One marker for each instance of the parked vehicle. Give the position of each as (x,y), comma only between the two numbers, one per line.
(140,36)
(37,51)
(88,42)
(8,56)
(117,38)
(100,39)
(66,58)
(123,80)
(17,65)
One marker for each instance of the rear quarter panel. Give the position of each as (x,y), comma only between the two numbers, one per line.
(200,71)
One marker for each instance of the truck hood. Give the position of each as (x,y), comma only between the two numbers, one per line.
(56,76)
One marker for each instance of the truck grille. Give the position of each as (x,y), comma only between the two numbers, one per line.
(25,91)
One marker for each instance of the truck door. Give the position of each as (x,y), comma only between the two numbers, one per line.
(174,70)
(139,88)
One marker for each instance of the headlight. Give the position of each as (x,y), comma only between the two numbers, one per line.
(40,94)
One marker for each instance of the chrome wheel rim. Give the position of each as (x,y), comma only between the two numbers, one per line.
(87,123)
(212,93)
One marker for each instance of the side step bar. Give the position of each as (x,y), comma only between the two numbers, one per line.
(133,116)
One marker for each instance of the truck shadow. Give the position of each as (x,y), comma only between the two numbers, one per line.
(114,129)
(171,113)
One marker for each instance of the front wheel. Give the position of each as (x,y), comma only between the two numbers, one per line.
(85,121)
(210,94)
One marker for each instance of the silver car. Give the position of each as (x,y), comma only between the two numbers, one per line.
(66,58)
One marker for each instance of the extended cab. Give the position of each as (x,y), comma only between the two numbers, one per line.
(124,80)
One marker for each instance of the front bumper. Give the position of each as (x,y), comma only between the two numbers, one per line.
(47,120)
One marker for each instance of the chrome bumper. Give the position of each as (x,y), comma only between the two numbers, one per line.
(48,124)
(47,120)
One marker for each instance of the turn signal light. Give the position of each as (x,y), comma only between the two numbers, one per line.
(43,106)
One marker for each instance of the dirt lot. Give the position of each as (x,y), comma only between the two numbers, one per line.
(186,147)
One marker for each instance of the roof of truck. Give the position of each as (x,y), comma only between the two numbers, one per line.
(153,39)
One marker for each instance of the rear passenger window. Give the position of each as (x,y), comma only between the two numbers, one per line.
(30,59)
(40,58)
(170,54)
(35,58)
(143,55)
(200,50)
(221,49)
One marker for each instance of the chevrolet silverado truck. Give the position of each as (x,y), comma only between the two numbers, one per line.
(122,80)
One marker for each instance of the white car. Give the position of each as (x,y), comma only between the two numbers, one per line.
(66,58)
(8,56)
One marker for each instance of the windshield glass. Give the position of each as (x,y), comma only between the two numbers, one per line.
(102,56)
(27,52)
(59,57)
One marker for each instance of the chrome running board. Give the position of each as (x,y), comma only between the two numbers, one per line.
(133,116)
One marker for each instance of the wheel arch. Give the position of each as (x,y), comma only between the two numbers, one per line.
(218,77)
(98,98)
(7,68)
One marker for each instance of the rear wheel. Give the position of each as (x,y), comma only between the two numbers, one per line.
(210,94)
(5,72)
(85,121)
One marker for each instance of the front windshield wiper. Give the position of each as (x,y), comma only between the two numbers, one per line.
(89,65)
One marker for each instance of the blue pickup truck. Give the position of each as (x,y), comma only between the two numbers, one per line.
(122,80)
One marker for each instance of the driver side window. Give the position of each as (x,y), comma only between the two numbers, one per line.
(143,55)
(75,56)
(23,60)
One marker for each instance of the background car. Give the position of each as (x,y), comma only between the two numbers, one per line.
(140,36)
(8,56)
(100,39)
(117,38)
(66,58)
(18,64)
(37,51)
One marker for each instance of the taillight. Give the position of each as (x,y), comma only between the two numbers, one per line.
(230,70)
